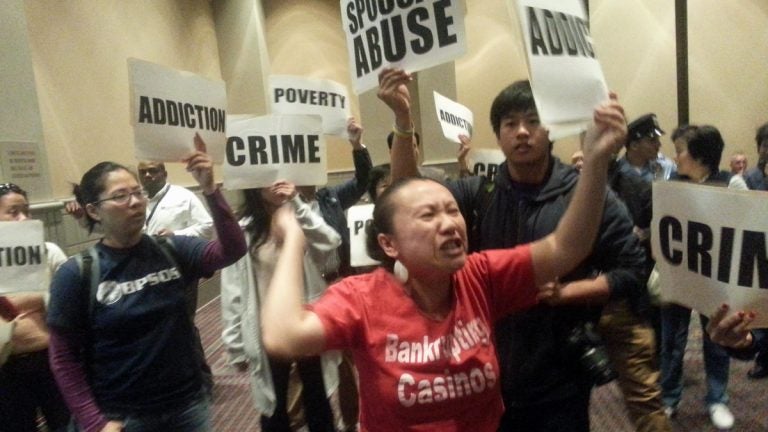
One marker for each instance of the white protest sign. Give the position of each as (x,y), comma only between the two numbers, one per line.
(412,35)
(710,248)
(455,118)
(23,262)
(298,95)
(262,150)
(566,78)
(169,106)
(358,218)
(485,162)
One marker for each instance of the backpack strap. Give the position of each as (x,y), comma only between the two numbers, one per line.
(169,251)
(90,273)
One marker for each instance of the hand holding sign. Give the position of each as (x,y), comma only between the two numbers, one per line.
(283,190)
(355,133)
(393,91)
(732,331)
(608,133)
(200,165)
(463,155)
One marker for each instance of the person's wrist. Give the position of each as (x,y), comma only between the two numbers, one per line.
(746,343)
(210,189)
(401,131)
(403,120)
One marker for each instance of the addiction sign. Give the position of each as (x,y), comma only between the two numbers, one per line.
(455,119)
(169,106)
(23,262)
(710,248)
(262,150)
(566,78)
(410,34)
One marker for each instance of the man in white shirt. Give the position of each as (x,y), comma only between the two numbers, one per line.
(172,209)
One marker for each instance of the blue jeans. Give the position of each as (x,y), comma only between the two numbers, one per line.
(192,417)
(675,320)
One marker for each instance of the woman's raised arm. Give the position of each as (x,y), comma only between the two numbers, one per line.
(289,330)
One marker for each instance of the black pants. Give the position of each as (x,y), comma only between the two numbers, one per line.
(26,384)
(317,409)
(565,415)
(762,354)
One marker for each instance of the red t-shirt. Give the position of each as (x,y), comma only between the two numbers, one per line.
(417,373)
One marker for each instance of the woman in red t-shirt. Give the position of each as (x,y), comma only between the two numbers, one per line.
(420,331)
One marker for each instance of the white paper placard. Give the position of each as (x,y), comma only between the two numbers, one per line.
(418,36)
(566,77)
(485,162)
(23,262)
(262,150)
(358,217)
(169,106)
(710,247)
(298,95)
(454,118)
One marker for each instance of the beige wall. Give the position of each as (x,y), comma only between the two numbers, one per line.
(729,70)
(635,42)
(79,51)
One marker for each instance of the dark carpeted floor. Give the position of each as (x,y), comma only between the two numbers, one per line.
(233,409)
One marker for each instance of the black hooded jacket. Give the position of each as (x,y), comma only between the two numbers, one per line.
(536,365)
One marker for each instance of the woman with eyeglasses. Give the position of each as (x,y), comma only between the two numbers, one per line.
(26,382)
(129,359)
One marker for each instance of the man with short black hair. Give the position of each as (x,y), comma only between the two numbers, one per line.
(172,210)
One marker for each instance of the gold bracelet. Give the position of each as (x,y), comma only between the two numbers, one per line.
(402,133)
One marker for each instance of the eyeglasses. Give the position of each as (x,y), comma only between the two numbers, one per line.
(122,198)
(10,187)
